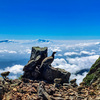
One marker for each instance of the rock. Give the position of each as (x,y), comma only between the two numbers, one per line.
(72,98)
(57,98)
(38,53)
(73,81)
(32,90)
(82,83)
(57,95)
(65,84)
(8,96)
(71,94)
(14,89)
(94,84)
(40,89)
(31,70)
(42,93)
(1,92)
(50,73)
(81,98)
(28,91)
(13,85)
(74,85)
(67,98)
(97,98)
(92,92)
(1,80)
(30,66)
(80,88)
(57,80)
(5,74)
(36,85)
(98,86)
(8,80)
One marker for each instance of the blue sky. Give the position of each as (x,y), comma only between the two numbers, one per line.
(50,19)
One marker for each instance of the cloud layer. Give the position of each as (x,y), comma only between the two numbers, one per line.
(72,55)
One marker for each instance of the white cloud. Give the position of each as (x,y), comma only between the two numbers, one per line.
(75,53)
(55,48)
(75,65)
(86,52)
(12,52)
(93,50)
(13,77)
(83,62)
(7,51)
(59,55)
(14,69)
(97,43)
(61,63)
(70,53)
(1,70)
(28,51)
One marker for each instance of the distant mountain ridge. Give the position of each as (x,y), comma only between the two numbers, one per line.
(21,41)
(43,40)
(6,41)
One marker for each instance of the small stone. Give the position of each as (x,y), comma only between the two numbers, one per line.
(33,90)
(80,88)
(65,84)
(57,95)
(72,94)
(13,85)
(90,98)
(91,92)
(57,98)
(57,80)
(65,88)
(73,81)
(80,98)
(72,98)
(82,83)
(1,90)
(66,98)
(74,85)
(97,98)
(35,85)
(14,89)
(94,84)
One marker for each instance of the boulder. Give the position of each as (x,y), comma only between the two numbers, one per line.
(31,70)
(38,53)
(48,73)
(73,81)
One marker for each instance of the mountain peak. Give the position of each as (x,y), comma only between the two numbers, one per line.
(43,40)
(94,73)
(5,41)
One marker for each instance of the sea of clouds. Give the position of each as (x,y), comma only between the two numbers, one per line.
(75,56)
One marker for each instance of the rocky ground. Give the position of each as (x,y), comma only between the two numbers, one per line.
(26,89)
(50,83)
